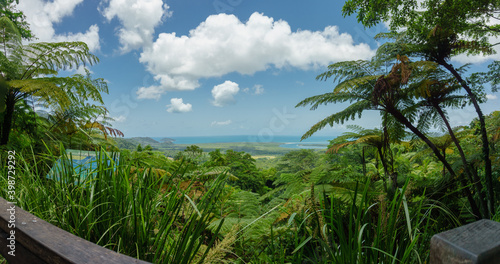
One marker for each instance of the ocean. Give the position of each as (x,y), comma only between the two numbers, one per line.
(314,142)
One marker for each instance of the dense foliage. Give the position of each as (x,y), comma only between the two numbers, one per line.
(376,195)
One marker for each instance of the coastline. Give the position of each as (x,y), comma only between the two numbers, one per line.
(285,141)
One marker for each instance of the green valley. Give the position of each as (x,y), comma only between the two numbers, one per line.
(374,194)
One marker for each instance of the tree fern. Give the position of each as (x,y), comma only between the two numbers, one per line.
(31,70)
(392,94)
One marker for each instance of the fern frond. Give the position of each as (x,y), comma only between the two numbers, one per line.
(10,36)
(347,69)
(55,56)
(356,83)
(350,112)
(42,88)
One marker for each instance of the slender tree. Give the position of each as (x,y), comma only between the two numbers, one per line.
(438,30)
(435,92)
(359,84)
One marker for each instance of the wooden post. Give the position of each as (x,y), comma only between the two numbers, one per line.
(38,242)
(475,243)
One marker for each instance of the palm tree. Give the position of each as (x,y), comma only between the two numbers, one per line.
(31,70)
(359,84)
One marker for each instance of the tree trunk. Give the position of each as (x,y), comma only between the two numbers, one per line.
(484,135)
(383,178)
(473,178)
(7,119)
(466,191)
(444,157)
(384,164)
(363,161)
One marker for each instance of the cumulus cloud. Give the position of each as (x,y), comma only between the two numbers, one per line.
(90,37)
(224,93)
(221,123)
(491,96)
(223,44)
(155,91)
(177,106)
(42,16)
(138,19)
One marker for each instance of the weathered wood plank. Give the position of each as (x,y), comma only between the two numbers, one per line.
(475,243)
(40,242)
(22,255)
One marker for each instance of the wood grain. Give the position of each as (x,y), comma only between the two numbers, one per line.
(40,242)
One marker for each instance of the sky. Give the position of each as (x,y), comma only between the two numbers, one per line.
(217,67)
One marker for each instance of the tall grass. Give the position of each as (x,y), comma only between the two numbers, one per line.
(363,230)
(115,208)
(149,216)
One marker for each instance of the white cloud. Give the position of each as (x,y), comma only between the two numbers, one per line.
(151,92)
(491,97)
(177,106)
(138,19)
(223,44)
(221,123)
(91,37)
(42,16)
(224,93)
(155,91)
(463,58)
(82,70)
(462,117)
(257,89)
(119,119)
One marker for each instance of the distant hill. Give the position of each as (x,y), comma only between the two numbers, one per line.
(125,143)
(144,140)
(131,143)
(167,140)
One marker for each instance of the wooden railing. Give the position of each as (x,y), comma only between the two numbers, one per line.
(475,243)
(25,238)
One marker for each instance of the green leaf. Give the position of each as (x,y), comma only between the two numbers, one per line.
(302,244)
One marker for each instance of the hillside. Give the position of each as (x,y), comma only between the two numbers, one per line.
(131,143)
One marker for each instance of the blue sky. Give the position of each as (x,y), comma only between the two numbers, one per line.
(217,67)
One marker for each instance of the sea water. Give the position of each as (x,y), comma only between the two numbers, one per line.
(314,142)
